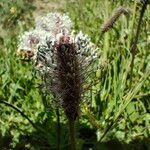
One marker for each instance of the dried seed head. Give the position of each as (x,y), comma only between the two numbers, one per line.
(111,21)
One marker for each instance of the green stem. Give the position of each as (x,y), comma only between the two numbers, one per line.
(58,128)
(15,108)
(134,45)
(23,115)
(72,134)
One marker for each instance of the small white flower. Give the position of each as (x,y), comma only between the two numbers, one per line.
(83,43)
(54,23)
(29,40)
(52,31)
(85,50)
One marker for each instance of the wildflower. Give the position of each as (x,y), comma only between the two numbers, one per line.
(54,23)
(29,41)
(48,26)
(61,56)
(65,59)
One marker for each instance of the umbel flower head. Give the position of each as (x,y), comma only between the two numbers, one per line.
(63,58)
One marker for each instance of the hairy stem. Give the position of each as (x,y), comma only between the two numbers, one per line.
(72,134)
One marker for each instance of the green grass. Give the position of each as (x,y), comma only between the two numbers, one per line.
(117,105)
(114,107)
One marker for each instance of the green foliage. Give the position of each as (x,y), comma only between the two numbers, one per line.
(12,12)
(113,106)
(117,109)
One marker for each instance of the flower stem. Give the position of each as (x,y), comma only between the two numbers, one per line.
(72,134)
(58,128)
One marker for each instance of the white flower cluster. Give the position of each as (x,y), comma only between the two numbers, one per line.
(85,49)
(46,56)
(50,31)
(45,27)
(54,23)
(62,57)
(30,40)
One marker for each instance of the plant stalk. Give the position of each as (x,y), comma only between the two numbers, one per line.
(58,129)
(72,134)
(134,45)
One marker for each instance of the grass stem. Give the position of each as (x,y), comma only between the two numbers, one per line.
(134,45)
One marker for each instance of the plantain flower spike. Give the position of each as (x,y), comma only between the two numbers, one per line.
(62,56)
